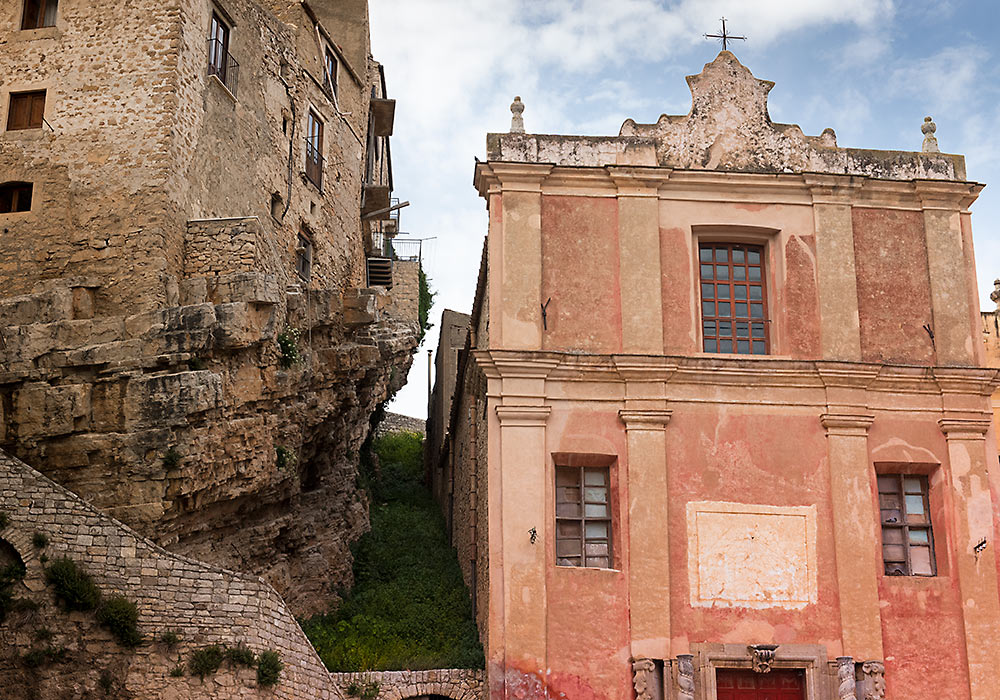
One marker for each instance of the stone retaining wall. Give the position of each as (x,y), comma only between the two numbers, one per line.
(454,683)
(202,604)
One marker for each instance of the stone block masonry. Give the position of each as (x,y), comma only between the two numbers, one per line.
(454,683)
(201,604)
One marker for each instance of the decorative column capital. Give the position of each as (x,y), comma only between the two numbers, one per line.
(523,416)
(850,424)
(846,685)
(965,428)
(645,419)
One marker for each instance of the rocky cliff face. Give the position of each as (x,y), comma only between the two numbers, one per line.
(226,428)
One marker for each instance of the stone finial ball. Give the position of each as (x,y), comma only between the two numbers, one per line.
(928,127)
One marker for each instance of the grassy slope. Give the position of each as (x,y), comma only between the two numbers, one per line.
(409,608)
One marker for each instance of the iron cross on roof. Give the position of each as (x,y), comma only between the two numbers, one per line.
(726,38)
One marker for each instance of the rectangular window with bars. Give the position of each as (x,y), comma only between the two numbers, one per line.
(314,149)
(733,298)
(583,517)
(27,110)
(907,538)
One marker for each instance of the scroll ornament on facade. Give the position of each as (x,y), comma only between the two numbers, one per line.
(846,685)
(874,674)
(685,677)
(642,675)
(762,657)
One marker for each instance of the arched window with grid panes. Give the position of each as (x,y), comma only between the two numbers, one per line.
(733,288)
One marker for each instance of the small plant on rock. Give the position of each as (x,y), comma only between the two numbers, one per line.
(170,638)
(121,616)
(38,657)
(4,519)
(172,459)
(284,458)
(9,575)
(74,587)
(177,672)
(288,344)
(206,660)
(268,668)
(43,634)
(196,364)
(241,655)
(106,681)
(40,540)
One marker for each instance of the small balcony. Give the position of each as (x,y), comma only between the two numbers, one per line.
(222,65)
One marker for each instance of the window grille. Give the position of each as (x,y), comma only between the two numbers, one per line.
(733,298)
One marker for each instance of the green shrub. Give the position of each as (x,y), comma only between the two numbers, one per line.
(40,540)
(177,672)
(170,638)
(74,588)
(425,300)
(284,458)
(43,634)
(206,660)
(409,608)
(9,575)
(196,364)
(241,655)
(268,668)
(172,459)
(38,657)
(121,616)
(4,519)
(288,344)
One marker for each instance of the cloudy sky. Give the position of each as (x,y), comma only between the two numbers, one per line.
(870,69)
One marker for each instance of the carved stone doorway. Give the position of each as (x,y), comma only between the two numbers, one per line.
(739,684)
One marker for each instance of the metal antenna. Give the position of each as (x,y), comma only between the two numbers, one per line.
(726,37)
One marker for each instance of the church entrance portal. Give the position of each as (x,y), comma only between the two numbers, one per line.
(732,684)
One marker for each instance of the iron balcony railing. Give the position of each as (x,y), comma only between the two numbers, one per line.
(314,164)
(222,65)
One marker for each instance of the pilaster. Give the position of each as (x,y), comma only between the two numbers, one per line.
(976,571)
(524,517)
(645,417)
(639,260)
(855,532)
(840,328)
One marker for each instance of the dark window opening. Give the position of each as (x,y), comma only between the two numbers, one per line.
(39,13)
(330,73)
(303,257)
(907,538)
(733,298)
(27,110)
(583,516)
(15,196)
(314,149)
(277,205)
(220,63)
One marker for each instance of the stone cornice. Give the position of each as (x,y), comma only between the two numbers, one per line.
(523,416)
(965,428)
(645,419)
(704,370)
(850,424)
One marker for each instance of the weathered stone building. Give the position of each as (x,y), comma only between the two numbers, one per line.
(707,440)
(190,193)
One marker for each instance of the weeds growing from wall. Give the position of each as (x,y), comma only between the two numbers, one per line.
(409,608)
(74,588)
(206,661)
(425,300)
(268,668)
(288,344)
(121,616)
(40,540)
(9,576)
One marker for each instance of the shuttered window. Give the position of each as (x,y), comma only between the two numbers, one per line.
(907,539)
(303,256)
(39,13)
(27,110)
(733,298)
(583,517)
(15,196)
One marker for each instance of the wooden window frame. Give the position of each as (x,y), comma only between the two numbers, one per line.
(304,255)
(905,523)
(44,14)
(723,329)
(331,70)
(12,196)
(567,521)
(36,105)
(219,37)
(314,148)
